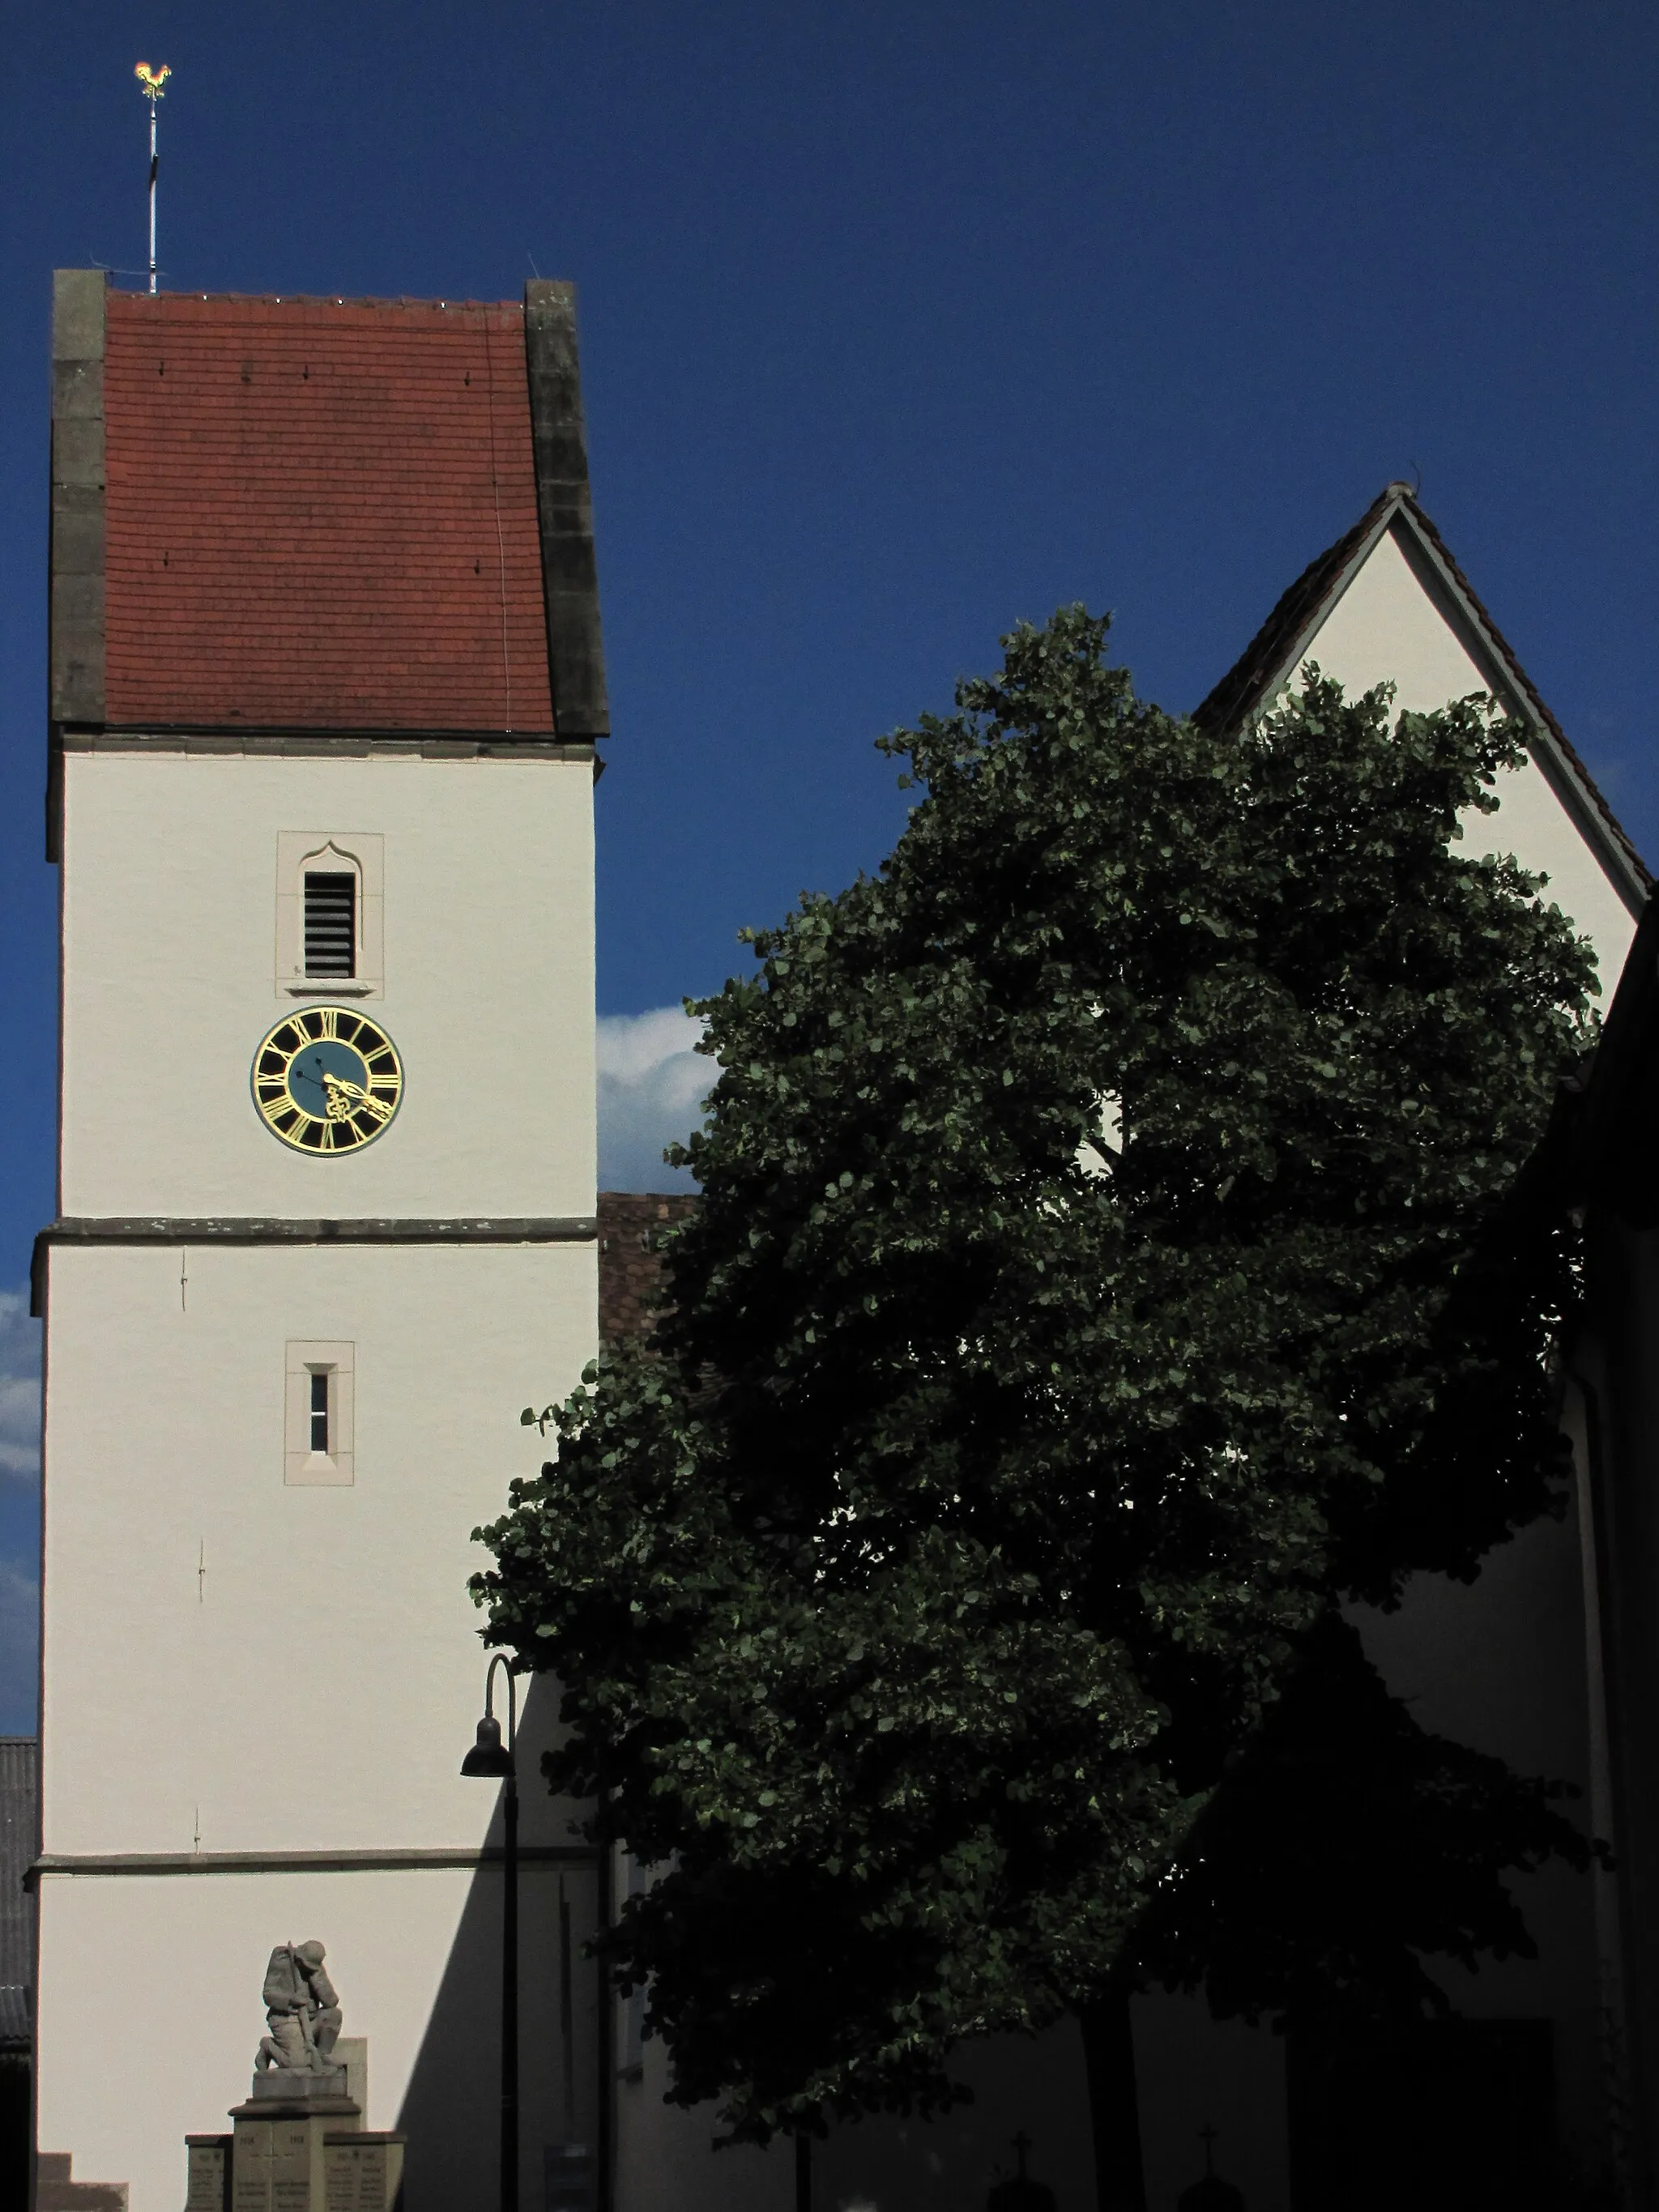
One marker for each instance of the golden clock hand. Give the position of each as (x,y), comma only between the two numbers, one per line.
(344,1097)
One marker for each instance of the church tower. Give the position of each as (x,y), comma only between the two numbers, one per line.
(326,685)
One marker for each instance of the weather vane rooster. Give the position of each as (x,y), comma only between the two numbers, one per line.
(150,82)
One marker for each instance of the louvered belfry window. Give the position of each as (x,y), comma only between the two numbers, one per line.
(330,925)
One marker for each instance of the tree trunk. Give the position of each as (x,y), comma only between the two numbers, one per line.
(802,2173)
(1108,2053)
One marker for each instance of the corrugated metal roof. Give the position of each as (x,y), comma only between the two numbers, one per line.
(18,1829)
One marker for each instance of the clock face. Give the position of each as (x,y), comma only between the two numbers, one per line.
(326,1080)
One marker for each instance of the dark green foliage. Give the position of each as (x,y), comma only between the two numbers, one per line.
(970,1505)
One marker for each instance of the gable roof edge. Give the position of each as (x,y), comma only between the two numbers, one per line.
(1265,666)
(1552,748)
(1262,670)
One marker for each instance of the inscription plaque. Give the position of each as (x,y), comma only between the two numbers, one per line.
(209,2167)
(278,2166)
(365,2172)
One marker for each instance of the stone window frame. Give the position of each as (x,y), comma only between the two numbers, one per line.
(304,1358)
(358,853)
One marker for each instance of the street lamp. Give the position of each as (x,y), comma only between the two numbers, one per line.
(493,1758)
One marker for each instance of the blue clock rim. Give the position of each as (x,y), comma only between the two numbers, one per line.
(316,1152)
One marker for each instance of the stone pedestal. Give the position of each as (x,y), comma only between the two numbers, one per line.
(300,2145)
(323,2091)
(277,2162)
(279,2156)
(351,2051)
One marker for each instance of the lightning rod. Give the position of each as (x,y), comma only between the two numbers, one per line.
(150,83)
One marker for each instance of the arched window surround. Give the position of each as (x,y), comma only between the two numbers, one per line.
(361,853)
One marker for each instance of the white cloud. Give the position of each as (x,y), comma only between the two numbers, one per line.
(20,1632)
(650,1086)
(20,1387)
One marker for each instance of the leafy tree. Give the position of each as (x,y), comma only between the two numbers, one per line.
(1101,1263)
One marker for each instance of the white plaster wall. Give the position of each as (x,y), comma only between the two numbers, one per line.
(1499,1664)
(1390,625)
(169,960)
(233,1663)
(150,2018)
(665,2156)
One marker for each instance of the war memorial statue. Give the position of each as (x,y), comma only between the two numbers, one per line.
(298,2143)
(303,2011)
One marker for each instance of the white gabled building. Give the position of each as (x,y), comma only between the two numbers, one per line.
(1510,1664)
(1527,2101)
(1387,603)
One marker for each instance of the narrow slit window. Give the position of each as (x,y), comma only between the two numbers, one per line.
(319,1392)
(320,1409)
(330,924)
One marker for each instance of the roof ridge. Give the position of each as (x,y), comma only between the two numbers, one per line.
(1240,691)
(1511,660)
(153,300)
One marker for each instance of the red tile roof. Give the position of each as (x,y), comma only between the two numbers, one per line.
(321,513)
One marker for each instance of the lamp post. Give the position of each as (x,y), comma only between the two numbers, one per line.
(494,1759)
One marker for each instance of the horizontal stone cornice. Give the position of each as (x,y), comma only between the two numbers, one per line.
(87,1230)
(388,1861)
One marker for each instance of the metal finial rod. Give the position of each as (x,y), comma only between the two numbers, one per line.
(150,83)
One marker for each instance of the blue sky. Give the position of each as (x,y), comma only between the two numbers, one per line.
(898,323)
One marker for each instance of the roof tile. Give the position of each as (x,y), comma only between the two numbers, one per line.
(321,513)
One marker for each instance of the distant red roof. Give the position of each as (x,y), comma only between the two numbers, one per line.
(632,1224)
(321,513)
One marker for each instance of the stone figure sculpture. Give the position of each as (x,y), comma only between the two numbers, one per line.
(303,2011)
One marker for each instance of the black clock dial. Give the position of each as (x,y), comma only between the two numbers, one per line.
(327,1080)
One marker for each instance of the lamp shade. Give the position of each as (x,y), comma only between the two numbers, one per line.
(490,1756)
